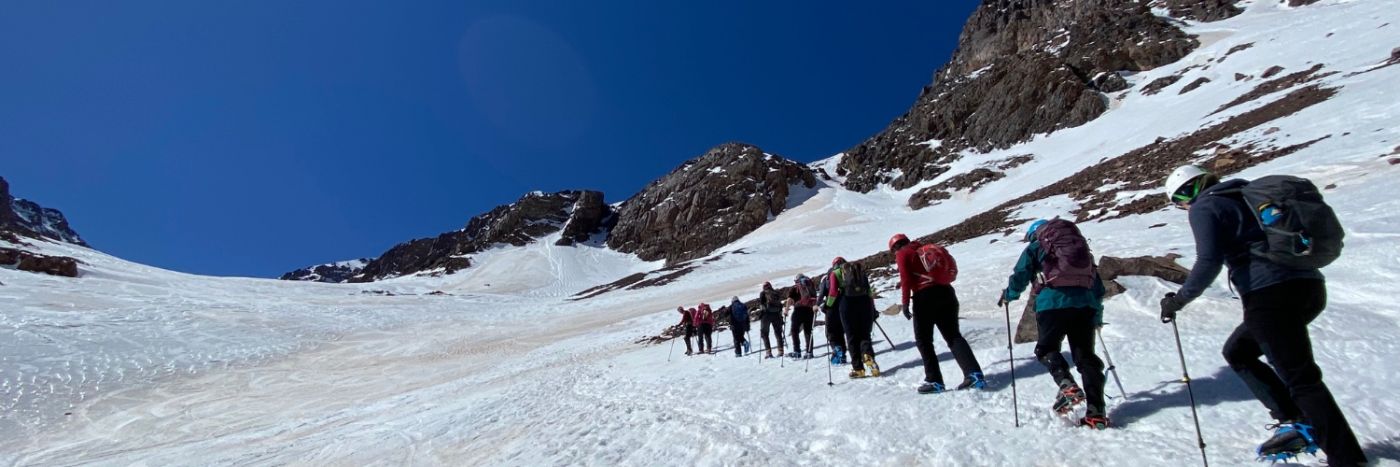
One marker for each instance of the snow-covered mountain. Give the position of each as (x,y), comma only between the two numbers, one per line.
(506,362)
(28,219)
(338,272)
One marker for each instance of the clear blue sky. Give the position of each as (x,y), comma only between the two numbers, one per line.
(252,138)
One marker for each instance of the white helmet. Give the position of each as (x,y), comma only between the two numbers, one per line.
(1186,174)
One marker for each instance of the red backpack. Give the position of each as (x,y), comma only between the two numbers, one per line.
(706,316)
(942,268)
(806,290)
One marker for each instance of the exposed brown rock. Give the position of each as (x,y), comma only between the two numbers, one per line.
(1022,68)
(707,202)
(1194,84)
(971,181)
(1273,70)
(33,262)
(1276,85)
(1200,10)
(1157,85)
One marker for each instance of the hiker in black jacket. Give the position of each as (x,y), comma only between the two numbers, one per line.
(771,303)
(1279,302)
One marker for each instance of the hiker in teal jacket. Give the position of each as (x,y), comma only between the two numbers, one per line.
(1064,311)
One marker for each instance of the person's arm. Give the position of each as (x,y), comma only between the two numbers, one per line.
(902,261)
(1208,228)
(1024,272)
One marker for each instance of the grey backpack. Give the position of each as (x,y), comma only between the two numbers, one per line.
(1300,230)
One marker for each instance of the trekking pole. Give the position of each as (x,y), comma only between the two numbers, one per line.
(887,336)
(673,350)
(1011,356)
(830,352)
(1111,368)
(1186,378)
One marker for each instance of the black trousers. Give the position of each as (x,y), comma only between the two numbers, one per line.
(771,320)
(937,306)
(802,318)
(1276,327)
(835,332)
(706,338)
(858,317)
(738,333)
(1078,325)
(689,333)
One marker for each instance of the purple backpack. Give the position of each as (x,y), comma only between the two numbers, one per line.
(1066,260)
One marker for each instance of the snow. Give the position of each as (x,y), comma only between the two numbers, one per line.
(135,365)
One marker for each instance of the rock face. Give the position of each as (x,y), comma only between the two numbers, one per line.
(25,218)
(334,273)
(1200,10)
(706,203)
(1022,67)
(580,214)
(33,262)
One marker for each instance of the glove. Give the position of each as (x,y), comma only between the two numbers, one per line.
(907,314)
(1002,301)
(1171,305)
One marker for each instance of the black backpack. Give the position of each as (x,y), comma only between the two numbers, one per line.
(1300,230)
(854,281)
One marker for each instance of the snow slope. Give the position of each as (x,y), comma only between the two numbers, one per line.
(134,365)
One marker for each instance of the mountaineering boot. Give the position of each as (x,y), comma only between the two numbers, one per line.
(795,355)
(809,355)
(857,374)
(930,387)
(767,354)
(746,346)
(838,356)
(1290,439)
(870,362)
(973,381)
(1094,418)
(1070,396)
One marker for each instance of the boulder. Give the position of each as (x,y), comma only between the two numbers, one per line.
(34,262)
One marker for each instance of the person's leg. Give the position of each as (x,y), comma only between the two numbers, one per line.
(1047,348)
(1278,318)
(946,319)
(738,335)
(778,330)
(923,310)
(1242,353)
(835,330)
(689,333)
(793,331)
(809,318)
(763,325)
(851,323)
(1080,329)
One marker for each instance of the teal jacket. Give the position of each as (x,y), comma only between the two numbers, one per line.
(1052,298)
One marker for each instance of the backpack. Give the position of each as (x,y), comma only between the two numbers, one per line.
(854,281)
(807,293)
(1067,261)
(1300,230)
(707,316)
(941,267)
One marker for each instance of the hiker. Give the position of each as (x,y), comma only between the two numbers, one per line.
(706,319)
(926,274)
(739,326)
(849,293)
(1275,272)
(772,318)
(803,295)
(835,332)
(1068,303)
(688,321)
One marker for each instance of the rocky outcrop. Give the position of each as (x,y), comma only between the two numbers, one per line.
(28,219)
(706,203)
(335,273)
(34,262)
(580,214)
(1022,67)
(1200,10)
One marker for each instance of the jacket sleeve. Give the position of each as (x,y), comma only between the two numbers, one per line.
(1024,272)
(1208,229)
(684,319)
(902,261)
(833,287)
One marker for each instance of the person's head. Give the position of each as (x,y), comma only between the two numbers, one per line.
(1030,231)
(898,241)
(680,309)
(767,286)
(799,278)
(838,261)
(735,299)
(1186,183)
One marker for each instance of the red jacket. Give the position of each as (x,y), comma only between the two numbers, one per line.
(705,315)
(913,277)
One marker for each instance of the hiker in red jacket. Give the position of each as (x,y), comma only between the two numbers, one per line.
(927,272)
(705,322)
